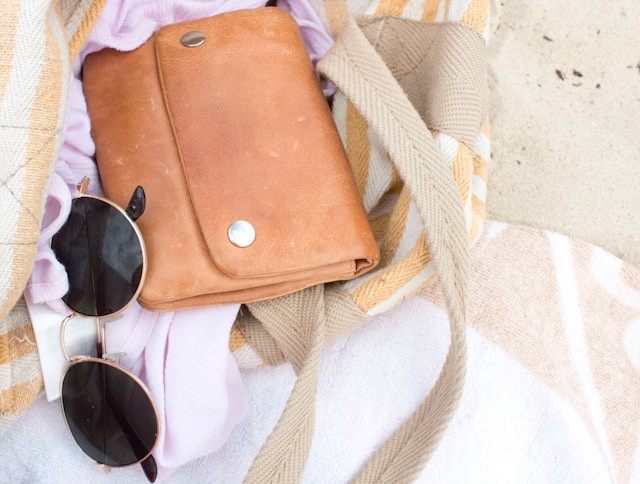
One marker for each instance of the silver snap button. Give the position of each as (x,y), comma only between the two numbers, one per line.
(241,233)
(193,39)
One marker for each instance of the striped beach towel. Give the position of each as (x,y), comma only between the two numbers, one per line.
(44,37)
(566,314)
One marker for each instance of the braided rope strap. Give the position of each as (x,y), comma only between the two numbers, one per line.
(296,321)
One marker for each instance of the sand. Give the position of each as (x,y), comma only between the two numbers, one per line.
(565,109)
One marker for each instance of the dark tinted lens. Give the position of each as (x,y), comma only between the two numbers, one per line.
(109,414)
(102,254)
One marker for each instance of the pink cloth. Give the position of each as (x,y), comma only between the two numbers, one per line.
(183,357)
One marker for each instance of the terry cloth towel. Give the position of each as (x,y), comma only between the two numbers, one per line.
(552,392)
(49,35)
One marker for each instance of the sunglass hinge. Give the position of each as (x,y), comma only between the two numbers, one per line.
(83,187)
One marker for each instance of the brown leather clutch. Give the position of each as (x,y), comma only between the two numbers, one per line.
(249,192)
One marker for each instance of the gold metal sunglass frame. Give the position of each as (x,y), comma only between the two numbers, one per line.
(111,360)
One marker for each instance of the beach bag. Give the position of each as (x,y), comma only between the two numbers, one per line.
(410,109)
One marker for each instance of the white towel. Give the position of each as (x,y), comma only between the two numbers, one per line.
(534,408)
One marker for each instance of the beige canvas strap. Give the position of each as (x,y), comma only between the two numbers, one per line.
(357,69)
(300,322)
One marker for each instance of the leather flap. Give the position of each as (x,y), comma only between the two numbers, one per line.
(258,144)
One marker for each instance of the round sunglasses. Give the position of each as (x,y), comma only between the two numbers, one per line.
(107,409)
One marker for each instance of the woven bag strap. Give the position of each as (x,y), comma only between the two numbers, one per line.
(356,68)
(298,321)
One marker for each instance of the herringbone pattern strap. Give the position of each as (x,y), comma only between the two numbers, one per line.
(296,321)
(358,71)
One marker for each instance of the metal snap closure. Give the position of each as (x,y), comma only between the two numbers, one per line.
(241,233)
(193,39)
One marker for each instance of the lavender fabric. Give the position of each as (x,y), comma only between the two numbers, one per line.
(184,356)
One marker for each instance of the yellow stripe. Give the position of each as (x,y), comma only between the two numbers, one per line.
(391,7)
(395,228)
(478,207)
(446,9)
(462,169)
(17,343)
(477,225)
(40,152)
(430,10)
(485,129)
(396,182)
(480,168)
(379,225)
(57,10)
(10,11)
(79,37)
(336,13)
(358,146)
(477,14)
(16,399)
(237,339)
(390,280)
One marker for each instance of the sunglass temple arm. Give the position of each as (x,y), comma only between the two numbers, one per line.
(149,466)
(100,346)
